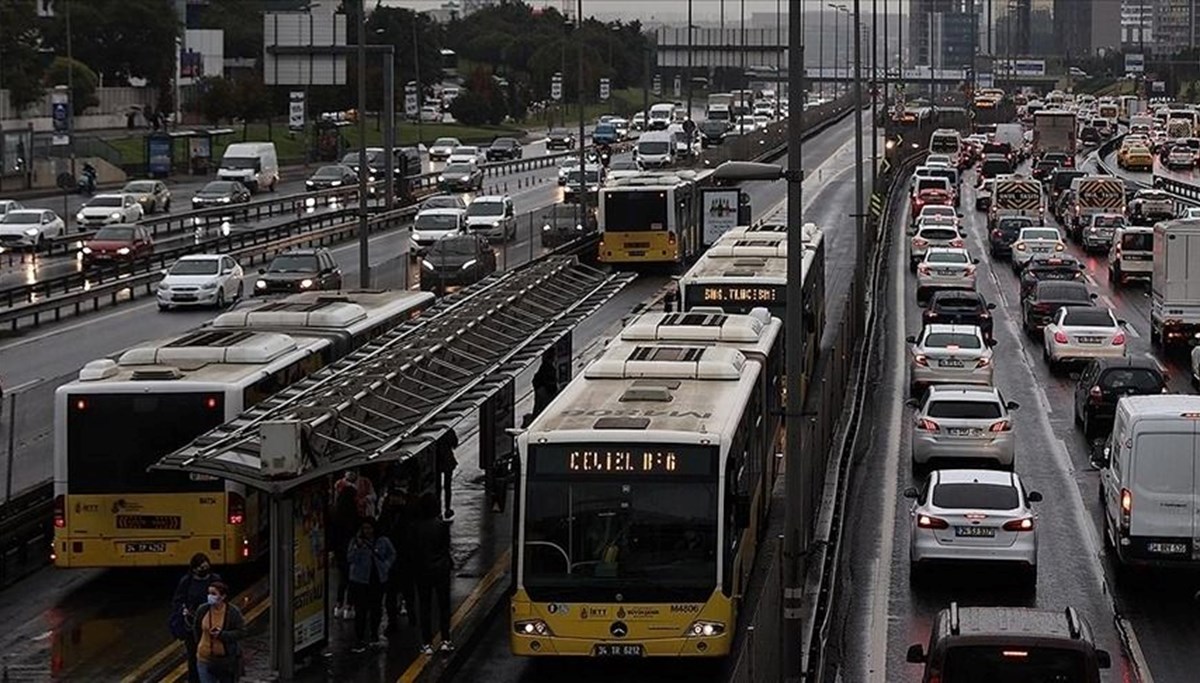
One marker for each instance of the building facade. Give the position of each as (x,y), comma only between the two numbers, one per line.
(1174,25)
(1087,27)
(942,33)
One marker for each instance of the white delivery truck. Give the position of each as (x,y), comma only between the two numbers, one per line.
(253,164)
(1175,284)
(1054,131)
(655,149)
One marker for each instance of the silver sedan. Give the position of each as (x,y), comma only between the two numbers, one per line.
(949,354)
(973,516)
(962,423)
(1078,333)
(945,268)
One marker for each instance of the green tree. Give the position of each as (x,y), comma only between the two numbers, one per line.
(217,101)
(21,67)
(251,100)
(242,22)
(83,82)
(119,39)
(471,108)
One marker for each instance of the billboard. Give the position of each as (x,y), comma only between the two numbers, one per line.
(311,574)
(720,213)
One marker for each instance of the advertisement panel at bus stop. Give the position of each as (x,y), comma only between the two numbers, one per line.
(310,586)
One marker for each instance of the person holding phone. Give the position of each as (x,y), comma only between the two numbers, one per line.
(219,628)
(371,558)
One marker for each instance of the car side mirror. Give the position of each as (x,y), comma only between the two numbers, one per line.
(911,492)
(991,343)
(959,215)
(1123,323)
(1012,405)
(262,271)
(911,340)
(975,261)
(915,654)
(1093,296)
(1103,659)
(912,403)
(1033,497)
(991,307)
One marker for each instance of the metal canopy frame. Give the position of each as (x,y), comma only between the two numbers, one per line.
(396,396)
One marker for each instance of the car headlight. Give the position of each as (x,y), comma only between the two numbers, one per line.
(143,200)
(224,200)
(32,232)
(706,629)
(123,251)
(468,264)
(441,178)
(308,183)
(80,217)
(426,264)
(116,215)
(336,183)
(209,285)
(306,283)
(545,227)
(578,227)
(86,250)
(495,224)
(163,286)
(261,284)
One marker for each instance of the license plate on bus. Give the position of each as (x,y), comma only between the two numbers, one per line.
(139,547)
(1167,548)
(975,531)
(950,363)
(617,650)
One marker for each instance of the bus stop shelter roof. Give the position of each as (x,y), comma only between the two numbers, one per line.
(394,397)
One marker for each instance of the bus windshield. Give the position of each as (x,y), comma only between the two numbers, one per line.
(635,211)
(636,524)
(104,457)
(943,144)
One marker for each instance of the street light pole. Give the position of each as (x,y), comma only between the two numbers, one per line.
(364,245)
(874,92)
(836,12)
(821,50)
(860,271)
(779,52)
(741,98)
(691,49)
(582,153)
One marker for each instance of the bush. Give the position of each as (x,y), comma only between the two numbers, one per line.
(471,108)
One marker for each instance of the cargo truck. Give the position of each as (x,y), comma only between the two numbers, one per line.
(1054,131)
(1175,284)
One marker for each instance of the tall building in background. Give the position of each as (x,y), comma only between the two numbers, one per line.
(955,33)
(1137,24)
(1084,27)
(1020,15)
(1174,26)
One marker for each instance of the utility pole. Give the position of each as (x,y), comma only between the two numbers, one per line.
(691,48)
(364,244)
(860,205)
(836,12)
(417,76)
(741,98)
(874,92)
(821,50)
(778,53)
(582,154)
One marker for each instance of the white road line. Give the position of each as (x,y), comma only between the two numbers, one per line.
(1090,280)
(1108,302)
(1154,359)
(1132,331)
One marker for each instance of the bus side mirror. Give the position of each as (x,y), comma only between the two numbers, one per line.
(916,654)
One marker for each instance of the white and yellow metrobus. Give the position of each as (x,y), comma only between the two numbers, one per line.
(653,218)
(641,492)
(123,414)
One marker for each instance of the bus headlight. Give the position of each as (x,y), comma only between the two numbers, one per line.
(532,627)
(706,629)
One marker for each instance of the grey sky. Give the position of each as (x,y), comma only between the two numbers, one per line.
(668,9)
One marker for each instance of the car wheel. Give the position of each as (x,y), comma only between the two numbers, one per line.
(1029,577)
(1089,429)
(164,307)
(221,298)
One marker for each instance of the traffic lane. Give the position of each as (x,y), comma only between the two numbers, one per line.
(1069,569)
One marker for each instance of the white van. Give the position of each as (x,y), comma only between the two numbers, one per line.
(253,164)
(661,116)
(655,149)
(1150,481)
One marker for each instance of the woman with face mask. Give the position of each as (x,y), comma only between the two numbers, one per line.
(219,629)
(190,593)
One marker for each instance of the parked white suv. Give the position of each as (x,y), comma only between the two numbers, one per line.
(109,209)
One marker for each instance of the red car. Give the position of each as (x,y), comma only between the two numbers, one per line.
(117,243)
(930,197)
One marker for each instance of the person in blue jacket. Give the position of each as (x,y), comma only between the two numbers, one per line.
(370,558)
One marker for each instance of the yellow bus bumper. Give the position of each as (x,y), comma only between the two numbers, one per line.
(558,646)
(88,552)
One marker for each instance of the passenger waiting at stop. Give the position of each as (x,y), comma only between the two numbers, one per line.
(364,492)
(371,558)
(219,629)
(344,524)
(545,383)
(190,593)
(446,463)
(396,522)
(431,543)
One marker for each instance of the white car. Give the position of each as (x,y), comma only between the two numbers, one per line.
(944,214)
(743,123)
(492,216)
(29,228)
(949,354)
(109,209)
(431,114)
(442,147)
(467,154)
(1078,333)
(201,280)
(7,205)
(939,160)
(931,236)
(1191,212)
(945,268)
(432,225)
(564,169)
(973,515)
(1039,241)
(1132,253)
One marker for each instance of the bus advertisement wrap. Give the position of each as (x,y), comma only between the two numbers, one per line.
(311,568)
(720,213)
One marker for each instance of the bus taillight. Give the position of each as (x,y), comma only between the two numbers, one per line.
(245,548)
(235,506)
(60,512)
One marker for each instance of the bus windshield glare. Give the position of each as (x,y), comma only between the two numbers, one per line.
(635,211)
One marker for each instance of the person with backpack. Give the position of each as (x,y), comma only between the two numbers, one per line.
(190,593)
(219,629)
(371,558)
(431,542)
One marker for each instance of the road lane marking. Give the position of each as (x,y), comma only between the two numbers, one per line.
(1161,368)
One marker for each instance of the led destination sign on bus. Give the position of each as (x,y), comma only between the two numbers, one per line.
(735,294)
(669,461)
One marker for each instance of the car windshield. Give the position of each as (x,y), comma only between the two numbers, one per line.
(478,208)
(504,142)
(21,217)
(105,202)
(652,147)
(714,126)
(294,263)
(1040,234)
(1008,664)
(240,163)
(975,496)
(1063,291)
(963,410)
(623,165)
(455,169)
(1140,380)
(1154,194)
(947,257)
(208,266)
(592,177)
(114,235)
(140,186)
(945,340)
(605,129)
(1089,317)
(442,202)
(938,233)
(938,211)
(560,134)
(1137,241)
(445,142)
(436,221)
(1108,221)
(217,187)
(459,247)
(1007,224)
(993,167)
(329,172)
(931,183)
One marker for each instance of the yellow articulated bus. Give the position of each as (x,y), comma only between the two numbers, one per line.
(642,491)
(652,218)
(122,415)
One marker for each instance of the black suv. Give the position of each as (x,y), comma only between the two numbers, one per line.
(560,139)
(973,644)
(959,307)
(299,270)
(1046,298)
(1008,228)
(456,261)
(1041,268)
(504,149)
(1104,381)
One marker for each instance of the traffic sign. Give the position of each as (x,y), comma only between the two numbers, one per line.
(656,87)
(412,106)
(876,204)
(604,89)
(678,86)
(556,87)
(296,110)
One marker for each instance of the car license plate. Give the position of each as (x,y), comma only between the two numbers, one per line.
(1089,340)
(950,363)
(145,547)
(1167,548)
(947,271)
(617,650)
(975,531)
(963,431)
(1041,250)
(183,297)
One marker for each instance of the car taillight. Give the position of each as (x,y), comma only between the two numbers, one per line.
(60,512)
(670,238)
(1042,308)
(997,234)
(1019,246)
(921,360)
(1118,339)
(919,242)
(1001,426)
(923,269)
(1023,524)
(1096,394)
(970,270)
(1061,337)
(956,243)
(1060,247)
(235,508)
(983,362)
(1126,507)
(927,425)
(931,522)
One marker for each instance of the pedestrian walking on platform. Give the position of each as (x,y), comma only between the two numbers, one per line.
(446,463)
(344,525)
(431,543)
(396,522)
(371,558)
(190,593)
(219,629)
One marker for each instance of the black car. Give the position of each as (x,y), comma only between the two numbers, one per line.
(461,178)
(998,148)
(560,139)
(562,223)
(1063,159)
(1043,170)
(1104,381)
(1060,181)
(504,149)
(1089,135)
(299,270)
(456,261)
(334,175)
(1047,297)
(1005,232)
(959,307)
(712,132)
(1063,268)
(994,165)
(220,193)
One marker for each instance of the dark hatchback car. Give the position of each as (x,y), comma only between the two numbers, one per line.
(461,178)
(1089,135)
(299,270)
(1060,181)
(1047,297)
(560,139)
(1045,268)
(562,223)
(220,193)
(959,307)
(1008,228)
(1063,159)
(1104,381)
(1042,170)
(712,132)
(504,149)
(333,175)
(994,165)
(456,261)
